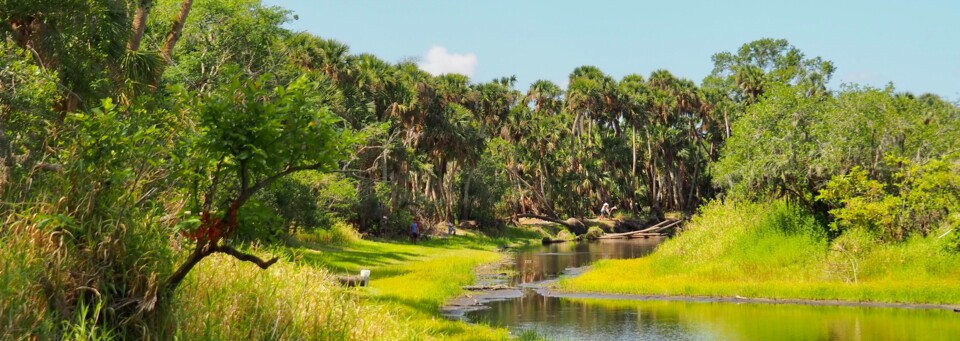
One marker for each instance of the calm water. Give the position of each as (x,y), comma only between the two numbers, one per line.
(604,319)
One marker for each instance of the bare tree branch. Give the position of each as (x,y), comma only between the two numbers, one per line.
(244,256)
(246,195)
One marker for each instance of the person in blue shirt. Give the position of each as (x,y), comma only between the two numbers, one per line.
(414,231)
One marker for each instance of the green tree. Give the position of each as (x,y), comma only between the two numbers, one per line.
(739,80)
(248,138)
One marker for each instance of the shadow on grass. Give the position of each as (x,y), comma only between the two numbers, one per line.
(354,260)
(426,307)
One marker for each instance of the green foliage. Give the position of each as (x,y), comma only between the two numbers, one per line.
(265,130)
(919,199)
(760,64)
(790,144)
(223,37)
(260,222)
(28,94)
(733,240)
(80,48)
(775,147)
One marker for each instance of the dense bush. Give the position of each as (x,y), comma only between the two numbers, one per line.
(919,198)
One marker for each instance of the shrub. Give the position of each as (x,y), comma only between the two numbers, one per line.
(919,199)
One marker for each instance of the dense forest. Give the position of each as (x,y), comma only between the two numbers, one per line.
(142,136)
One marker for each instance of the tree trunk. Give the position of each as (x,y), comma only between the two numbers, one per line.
(198,254)
(139,24)
(176,30)
(465,200)
(633,169)
(726,122)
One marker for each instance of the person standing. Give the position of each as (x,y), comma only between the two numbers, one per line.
(414,231)
(604,210)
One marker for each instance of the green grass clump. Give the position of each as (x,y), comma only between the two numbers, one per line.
(338,234)
(776,250)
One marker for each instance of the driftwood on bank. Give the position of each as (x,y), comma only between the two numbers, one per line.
(655,230)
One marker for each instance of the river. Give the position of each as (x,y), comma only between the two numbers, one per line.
(625,319)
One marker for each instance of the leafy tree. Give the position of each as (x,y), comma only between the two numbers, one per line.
(776,147)
(249,137)
(739,80)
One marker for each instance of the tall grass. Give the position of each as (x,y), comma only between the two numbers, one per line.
(26,254)
(776,250)
(60,277)
(224,299)
(338,234)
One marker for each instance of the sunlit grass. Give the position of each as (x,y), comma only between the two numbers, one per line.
(300,299)
(774,251)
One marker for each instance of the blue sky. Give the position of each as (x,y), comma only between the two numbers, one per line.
(914,44)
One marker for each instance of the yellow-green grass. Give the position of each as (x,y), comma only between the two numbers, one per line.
(299,298)
(773,250)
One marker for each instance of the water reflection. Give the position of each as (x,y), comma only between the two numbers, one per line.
(549,261)
(586,319)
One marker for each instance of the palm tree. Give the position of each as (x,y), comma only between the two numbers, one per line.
(175,30)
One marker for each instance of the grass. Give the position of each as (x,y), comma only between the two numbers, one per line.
(298,298)
(774,250)
(23,258)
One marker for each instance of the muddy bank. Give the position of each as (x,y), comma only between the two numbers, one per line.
(491,284)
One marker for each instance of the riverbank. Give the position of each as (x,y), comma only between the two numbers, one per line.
(299,298)
(771,251)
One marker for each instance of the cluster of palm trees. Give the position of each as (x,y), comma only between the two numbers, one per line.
(640,144)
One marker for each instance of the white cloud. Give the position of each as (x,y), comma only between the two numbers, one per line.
(438,61)
(860,77)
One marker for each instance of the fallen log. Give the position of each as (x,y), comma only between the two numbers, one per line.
(653,228)
(632,235)
(659,226)
(667,226)
(573,224)
(351,281)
